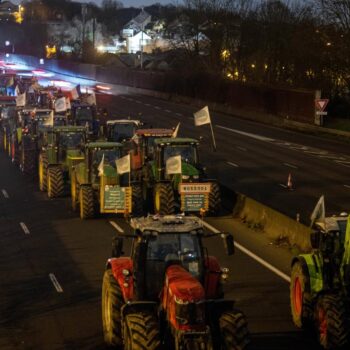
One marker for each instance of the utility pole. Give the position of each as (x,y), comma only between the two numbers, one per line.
(93,32)
(83,15)
(141,58)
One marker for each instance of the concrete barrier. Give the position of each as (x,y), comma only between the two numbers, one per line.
(275,225)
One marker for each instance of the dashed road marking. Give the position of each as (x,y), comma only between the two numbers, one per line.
(24,228)
(56,284)
(241,148)
(253,136)
(167,110)
(252,255)
(233,164)
(148,104)
(116,226)
(5,194)
(179,114)
(347,186)
(290,165)
(283,185)
(157,107)
(137,101)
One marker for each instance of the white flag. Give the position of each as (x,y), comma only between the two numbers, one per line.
(319,212)
(21,100)
(50,120)
(17,91)
(68,105)
(60,104)
(101,166)
(176,130)
(174,165)
(91,99)
(202,117)
(123,165)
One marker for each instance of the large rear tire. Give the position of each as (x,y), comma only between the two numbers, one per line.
(86,200)
(234,331)
(141,332)
(43,163)
(164,201)
(112,301)
(55,182)
(215,199)
(300,296)
(28,161)
(330,322)
(137,200)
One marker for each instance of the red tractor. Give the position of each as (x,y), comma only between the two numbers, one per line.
(169,292)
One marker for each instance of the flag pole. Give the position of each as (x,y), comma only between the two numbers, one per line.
(213,137)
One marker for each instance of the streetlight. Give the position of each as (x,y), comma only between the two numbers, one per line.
(8,43)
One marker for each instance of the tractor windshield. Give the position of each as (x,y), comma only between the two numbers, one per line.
(71,140)
(188,153)
(110,156)
(182,247)
(123,131)
(83,115)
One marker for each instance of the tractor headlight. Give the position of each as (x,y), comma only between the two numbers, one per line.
(185,177)
(189,313)
(195,177)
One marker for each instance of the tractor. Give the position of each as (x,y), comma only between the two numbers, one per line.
(96,187)
(202,195)
(84,114)
(320,283)
(61,149)
(121,130)
(169,292)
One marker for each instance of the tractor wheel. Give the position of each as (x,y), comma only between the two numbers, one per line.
(86,200)
(55,182)
(137,202)
(300,297)
(141,332)
(15,153)
(112,301)
(215,199)
(43,172)
(330,322)
(164,201)
(28,162)
(74,191)
(234,330)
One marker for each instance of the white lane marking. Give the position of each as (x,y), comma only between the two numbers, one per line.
(157,107)
(167,110)
(147,104)
(347,186)
(5,194)
(24,228)
(54,281)
(233,164)
(254,136)
(290,165)
(282,185)
(252,255)
(116,226)
(137,101)
(241,148)
(179,114)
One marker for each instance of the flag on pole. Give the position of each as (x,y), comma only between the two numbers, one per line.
(75,93)
(319,213)
(60,104)
(123,165)
(68,105)
(17,90)
(202,117)
(174,165)
(21,100)
(101,166)
(176,130)
(50,120)
(91,99)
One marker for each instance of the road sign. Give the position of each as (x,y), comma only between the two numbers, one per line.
(321,104)
(194,196)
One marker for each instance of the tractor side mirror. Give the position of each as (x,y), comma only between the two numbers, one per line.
(315,237)
(117,247)
(228,243)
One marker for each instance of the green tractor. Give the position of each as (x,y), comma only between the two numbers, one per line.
(191,189)
(320,283)
(96,187)
(62,148)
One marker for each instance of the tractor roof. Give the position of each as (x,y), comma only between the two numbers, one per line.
(154,132)
(332,223)
(167,224)
(101,144)
(175,141)
(124,121)
(69,128)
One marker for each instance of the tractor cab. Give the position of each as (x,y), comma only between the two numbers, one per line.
(122,130)
(84,114)
(43,119)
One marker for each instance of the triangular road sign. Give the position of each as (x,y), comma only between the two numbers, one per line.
(321,104)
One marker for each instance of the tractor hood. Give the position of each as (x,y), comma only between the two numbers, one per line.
(189,169)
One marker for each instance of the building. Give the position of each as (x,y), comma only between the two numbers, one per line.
(7,10)
(137,42)
(136,24)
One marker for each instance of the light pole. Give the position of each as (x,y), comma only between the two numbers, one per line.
(8,43)
(141,56)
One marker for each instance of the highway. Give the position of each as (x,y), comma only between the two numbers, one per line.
(52,263)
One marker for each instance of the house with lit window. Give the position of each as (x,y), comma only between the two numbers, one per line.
(7,10)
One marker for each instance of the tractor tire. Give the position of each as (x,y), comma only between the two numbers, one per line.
(28,162)
(55,182)
(15,153)
(215,199)
(74,192)
(330,322)
(234,331)
(87,202)
(164,201)
(141,332)
(137,201)
(43,164)
(300,296)
(112,301)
